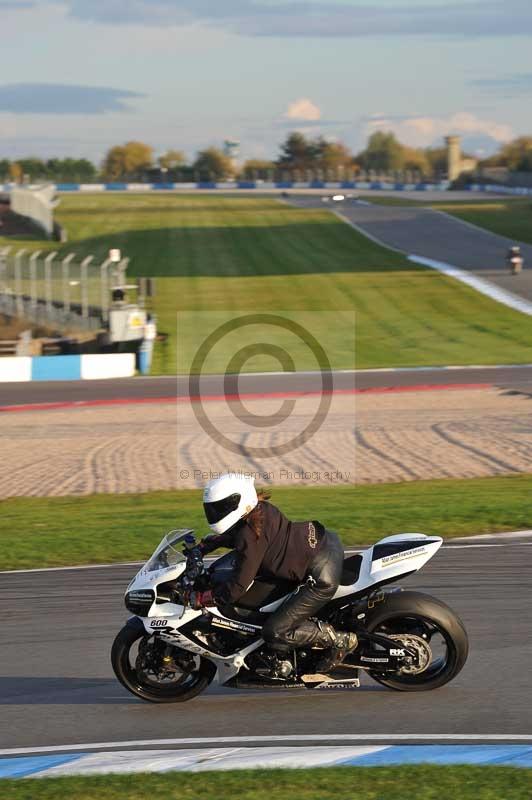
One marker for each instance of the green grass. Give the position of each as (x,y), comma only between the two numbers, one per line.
(60,531)
(423,782)
(204,235)
(219,253)
(510,218)
(402,319)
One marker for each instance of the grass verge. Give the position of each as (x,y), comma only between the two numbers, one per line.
(65,531)
(511,217)
(220,253)
(341,783)
(401,319)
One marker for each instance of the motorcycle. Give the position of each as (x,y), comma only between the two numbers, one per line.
(170,652)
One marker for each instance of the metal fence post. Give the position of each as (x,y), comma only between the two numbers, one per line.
(84,277)
(3,263)
(122,269)
(66,283)
(33,279)
(48,281)
(18,282)
(104,289)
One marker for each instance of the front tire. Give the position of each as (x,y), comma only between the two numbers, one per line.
(416,613)
(188,686)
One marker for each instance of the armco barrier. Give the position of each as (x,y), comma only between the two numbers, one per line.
(67,368)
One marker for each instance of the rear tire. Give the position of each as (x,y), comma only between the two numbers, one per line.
(131,633)
(408,609)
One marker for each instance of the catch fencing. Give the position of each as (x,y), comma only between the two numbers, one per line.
(62,292)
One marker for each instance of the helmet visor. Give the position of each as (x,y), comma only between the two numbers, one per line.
(221,508)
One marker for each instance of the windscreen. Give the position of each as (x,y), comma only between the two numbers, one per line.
(170,551)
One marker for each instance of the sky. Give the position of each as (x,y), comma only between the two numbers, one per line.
(78,76)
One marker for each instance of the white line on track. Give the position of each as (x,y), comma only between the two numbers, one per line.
(243,740)
(481,285)
(508,536)
(367,235)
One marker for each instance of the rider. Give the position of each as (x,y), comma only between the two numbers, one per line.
(515,259)
(266,542)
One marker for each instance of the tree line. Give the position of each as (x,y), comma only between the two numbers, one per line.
(300,158)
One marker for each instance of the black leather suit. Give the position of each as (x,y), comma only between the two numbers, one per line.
(302,552)
(290,627)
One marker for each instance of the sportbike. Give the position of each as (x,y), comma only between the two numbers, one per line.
(170,652)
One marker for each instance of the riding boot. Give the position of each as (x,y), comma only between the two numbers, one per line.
(338,645)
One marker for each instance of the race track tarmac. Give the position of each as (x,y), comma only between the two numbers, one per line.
(42,392)
(57,687)
(432,234)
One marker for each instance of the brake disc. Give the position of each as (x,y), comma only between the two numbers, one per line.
(420,646)
(155,668)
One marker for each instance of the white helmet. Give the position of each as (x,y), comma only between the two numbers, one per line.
(227,499)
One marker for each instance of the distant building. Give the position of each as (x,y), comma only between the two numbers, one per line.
(232,151)
(456,163)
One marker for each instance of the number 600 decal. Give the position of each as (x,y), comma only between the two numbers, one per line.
(158,623)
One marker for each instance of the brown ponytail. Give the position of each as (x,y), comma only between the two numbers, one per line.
(255,518)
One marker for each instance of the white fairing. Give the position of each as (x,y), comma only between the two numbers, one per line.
(415,550)
(379,565)
(167,618)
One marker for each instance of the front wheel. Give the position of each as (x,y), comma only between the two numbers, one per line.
(155,671)
(428,626)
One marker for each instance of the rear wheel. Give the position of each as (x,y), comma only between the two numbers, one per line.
(155,671)
(431,629)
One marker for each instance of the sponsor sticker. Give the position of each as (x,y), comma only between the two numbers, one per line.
(416,551)
(375,660)
(312,538)
(354,684)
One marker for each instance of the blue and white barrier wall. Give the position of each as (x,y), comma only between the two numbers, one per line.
(260,185)
(267,185)
(18,369)
(494,187)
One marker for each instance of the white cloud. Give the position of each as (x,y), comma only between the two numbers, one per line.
(303,110)
(422,131)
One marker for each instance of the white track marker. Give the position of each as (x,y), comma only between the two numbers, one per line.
(266,740)
(481,285)
(509,536)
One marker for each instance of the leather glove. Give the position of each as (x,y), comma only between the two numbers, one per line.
(197,600)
